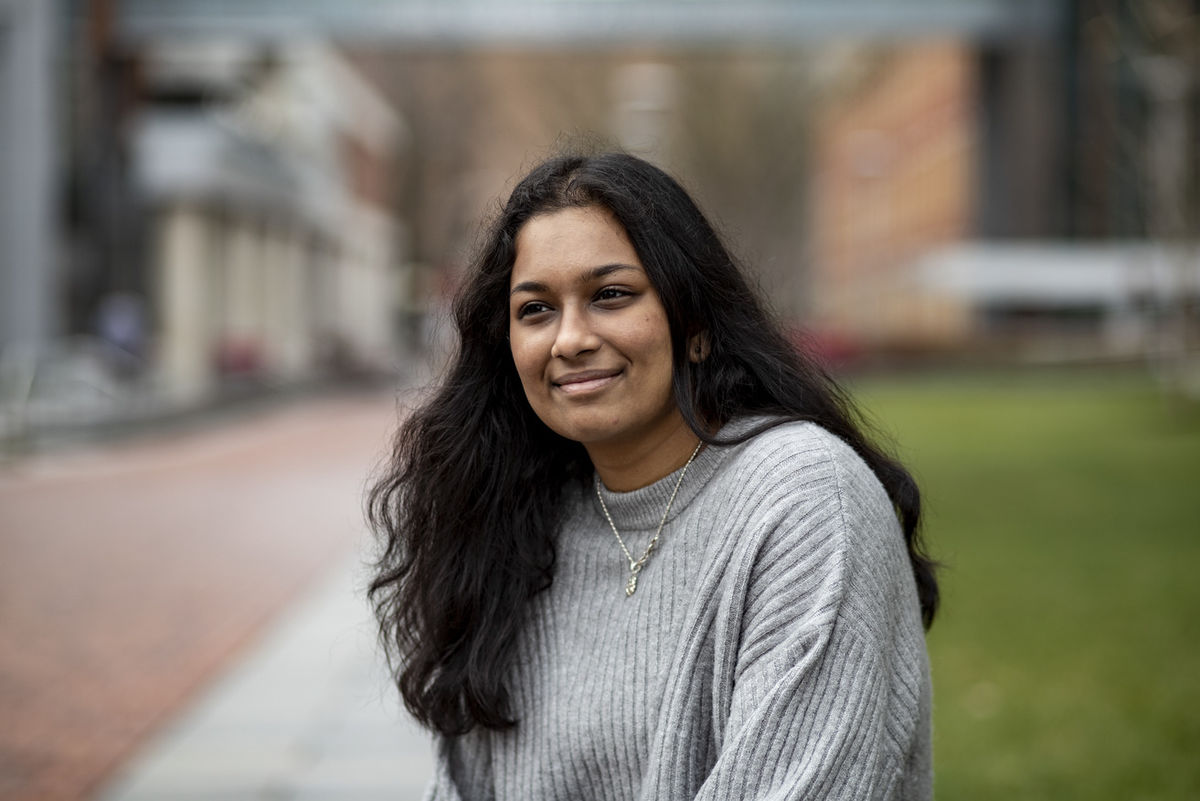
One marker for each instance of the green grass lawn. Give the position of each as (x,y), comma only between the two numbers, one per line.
(1066,509)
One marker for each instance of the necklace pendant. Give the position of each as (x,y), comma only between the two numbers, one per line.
(635,566)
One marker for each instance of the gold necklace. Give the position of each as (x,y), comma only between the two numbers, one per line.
(636,565)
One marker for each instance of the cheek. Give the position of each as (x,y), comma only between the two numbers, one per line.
(654,341)
(526,360)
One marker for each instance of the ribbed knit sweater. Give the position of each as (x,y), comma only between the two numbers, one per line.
(773,649)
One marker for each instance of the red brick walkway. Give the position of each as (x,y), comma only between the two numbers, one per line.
(129,575)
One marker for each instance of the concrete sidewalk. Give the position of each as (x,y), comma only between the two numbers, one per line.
(308,713)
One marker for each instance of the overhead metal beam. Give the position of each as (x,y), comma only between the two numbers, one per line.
(541,23)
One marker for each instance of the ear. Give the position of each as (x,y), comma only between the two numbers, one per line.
(698,347)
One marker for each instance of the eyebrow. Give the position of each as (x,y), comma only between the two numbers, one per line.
(593,274)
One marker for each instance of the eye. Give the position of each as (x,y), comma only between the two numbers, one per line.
(531,308)
(613,293)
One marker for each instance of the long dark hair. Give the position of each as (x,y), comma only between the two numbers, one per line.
(469,507)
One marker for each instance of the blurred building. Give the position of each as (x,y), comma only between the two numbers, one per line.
(1034,196)
(273,250)
(893,178)
(186,216)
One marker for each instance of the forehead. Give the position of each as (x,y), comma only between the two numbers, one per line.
(570,240)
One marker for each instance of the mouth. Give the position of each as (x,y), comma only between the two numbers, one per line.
(586,381)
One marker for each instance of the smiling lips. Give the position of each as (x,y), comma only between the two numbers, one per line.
(586,381)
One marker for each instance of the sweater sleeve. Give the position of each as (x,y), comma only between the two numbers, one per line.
(461,769)
(825,696)
(441,787)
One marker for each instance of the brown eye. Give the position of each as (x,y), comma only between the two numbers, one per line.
(613,293)
(533,307)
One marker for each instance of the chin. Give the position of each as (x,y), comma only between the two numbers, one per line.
(587,431)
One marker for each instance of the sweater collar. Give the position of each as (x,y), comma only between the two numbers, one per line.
(642,508)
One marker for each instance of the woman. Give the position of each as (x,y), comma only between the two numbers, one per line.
(635,545)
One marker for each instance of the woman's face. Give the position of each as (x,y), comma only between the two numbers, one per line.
(589,336)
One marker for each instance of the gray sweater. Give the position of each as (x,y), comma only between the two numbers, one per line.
(773,648)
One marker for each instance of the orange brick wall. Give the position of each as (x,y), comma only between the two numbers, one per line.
(369,172)
(892,179)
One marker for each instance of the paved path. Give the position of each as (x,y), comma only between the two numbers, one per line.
(132,574)
(308,714)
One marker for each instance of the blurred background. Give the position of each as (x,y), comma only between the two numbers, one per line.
(230,232)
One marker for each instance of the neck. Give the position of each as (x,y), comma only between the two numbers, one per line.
(628,467)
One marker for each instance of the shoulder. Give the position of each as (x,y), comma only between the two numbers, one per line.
(795,487)
(816,505)
(800,458)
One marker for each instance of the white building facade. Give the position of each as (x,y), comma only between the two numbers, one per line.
(274,254)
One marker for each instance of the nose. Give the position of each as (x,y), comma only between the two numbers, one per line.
(574,336)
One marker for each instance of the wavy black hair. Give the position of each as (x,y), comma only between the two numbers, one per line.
(468,509)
